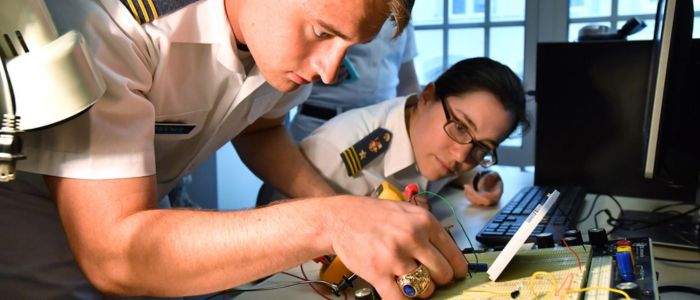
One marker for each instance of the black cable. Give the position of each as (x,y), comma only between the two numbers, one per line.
(677,260)
(595,200)
(281,286)
(612,221)
(666,221)
(616,223)
(607,212)
(621,216)
(679,289)
(670,205)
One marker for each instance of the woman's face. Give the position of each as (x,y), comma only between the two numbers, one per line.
(436,154)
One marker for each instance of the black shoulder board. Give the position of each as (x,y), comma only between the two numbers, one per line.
(364,151)
(145,11)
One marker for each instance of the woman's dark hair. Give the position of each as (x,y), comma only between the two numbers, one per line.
(485,74)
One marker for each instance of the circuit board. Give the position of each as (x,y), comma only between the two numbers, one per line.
(559,262)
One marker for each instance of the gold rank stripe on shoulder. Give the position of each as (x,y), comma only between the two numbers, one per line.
(352,161)
(145,11)
(142,12)
(364,151)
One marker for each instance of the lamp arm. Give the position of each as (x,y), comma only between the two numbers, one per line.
(6,95)
(10,141)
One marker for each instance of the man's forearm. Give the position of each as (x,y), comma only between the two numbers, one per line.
(272,155)
(184,252)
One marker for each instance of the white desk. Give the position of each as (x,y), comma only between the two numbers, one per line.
(474,218)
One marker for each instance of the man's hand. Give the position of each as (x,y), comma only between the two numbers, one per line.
(421,201)
(489,190)
(381,240)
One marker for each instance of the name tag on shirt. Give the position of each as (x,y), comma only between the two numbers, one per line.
(173,128)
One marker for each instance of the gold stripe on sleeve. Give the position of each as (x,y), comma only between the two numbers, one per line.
(153,9)
(349,163)
(133,10)
(143,10)
(356,159)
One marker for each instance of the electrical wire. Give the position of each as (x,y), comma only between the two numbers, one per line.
(665,221)
(660,208)
(311,282)
(304,277)
(568,281)
(578,260)
(552,290)
(454,213)
(621,216)
(595,200)
(549,276)
(679,289)
(677,260)
(303,280)
(282,285)
(604,288)
(267,288)
(488,292)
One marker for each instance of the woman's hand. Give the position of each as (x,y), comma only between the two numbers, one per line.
(489,190)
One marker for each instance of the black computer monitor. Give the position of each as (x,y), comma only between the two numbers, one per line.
(671,129)
(593,125)
(672,109)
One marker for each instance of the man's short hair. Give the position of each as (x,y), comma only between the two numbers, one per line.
(400,13)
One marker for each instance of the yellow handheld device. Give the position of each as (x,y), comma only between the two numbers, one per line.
(335,271)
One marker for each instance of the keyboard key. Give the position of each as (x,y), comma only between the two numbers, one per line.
(506,222)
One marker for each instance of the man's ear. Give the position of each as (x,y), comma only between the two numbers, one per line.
(428,93)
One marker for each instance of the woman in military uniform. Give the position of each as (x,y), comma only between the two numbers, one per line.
(433,138)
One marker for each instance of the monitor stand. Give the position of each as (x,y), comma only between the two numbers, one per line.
(666,229)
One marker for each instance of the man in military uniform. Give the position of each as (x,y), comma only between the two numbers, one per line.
(81,219)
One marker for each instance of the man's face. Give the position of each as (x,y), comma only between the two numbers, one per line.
(297,42)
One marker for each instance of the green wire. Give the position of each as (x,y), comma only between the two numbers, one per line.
(454,213)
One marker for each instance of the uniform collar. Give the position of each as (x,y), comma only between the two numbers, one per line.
(202,22)
(205,22)
(400,154)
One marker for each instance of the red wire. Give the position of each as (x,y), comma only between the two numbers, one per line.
(311,284)
(293,275)
(569,278)
(578,260)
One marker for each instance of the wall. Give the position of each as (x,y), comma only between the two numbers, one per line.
(236,186)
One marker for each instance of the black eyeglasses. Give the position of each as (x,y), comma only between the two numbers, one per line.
(459,133)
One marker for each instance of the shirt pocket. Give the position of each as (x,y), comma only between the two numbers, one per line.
(181,126)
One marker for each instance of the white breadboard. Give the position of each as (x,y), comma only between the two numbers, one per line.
(559,262)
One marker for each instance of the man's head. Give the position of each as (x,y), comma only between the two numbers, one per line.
(297,42)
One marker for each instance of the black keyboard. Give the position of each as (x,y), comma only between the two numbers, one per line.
(563,214)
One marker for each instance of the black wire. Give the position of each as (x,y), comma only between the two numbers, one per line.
(665,221)
(282,286)
(607,212)
(679,289)
(669,205)
(616,223)
(677,260)
(622,211)
(589,211)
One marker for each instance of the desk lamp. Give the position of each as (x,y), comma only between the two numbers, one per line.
(45,78)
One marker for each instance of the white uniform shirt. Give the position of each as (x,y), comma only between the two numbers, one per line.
(397,163)
(181,68)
